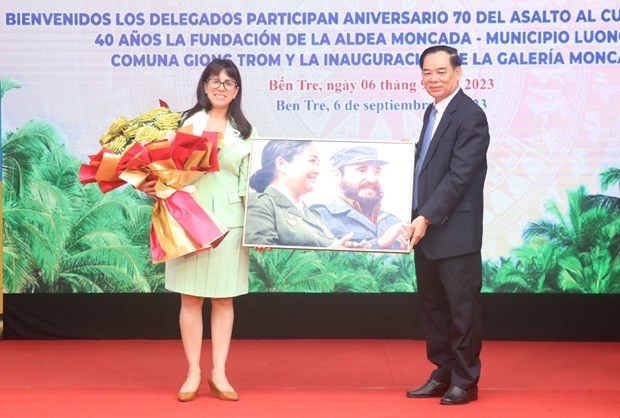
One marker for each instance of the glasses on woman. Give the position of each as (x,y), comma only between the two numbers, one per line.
(215,83)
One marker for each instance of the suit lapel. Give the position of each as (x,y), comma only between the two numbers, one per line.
(231,139)
(198,121)
(231,135)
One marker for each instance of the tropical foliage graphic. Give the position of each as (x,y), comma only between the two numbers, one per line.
(326,272)
(62,236)
(576,251)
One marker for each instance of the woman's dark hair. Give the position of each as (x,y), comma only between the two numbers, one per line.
(455,59)
(237,118)
(271,152)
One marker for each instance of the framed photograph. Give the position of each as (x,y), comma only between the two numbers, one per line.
(325,194)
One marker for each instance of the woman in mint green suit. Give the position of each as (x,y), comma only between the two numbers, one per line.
(220,273)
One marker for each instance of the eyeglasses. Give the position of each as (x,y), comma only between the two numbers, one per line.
(215,83)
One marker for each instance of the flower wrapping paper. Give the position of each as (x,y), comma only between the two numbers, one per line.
(181,224)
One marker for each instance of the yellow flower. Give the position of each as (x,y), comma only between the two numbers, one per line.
(149,126)
(118,126)
(118,144)
(168,121)
(147,134)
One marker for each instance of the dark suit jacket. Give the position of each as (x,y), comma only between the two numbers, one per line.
(451,182)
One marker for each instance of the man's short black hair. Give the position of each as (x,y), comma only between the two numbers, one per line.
(455,60)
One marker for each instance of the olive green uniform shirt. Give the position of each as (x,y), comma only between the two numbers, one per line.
(272,219)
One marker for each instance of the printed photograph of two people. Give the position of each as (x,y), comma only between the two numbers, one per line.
(329,194)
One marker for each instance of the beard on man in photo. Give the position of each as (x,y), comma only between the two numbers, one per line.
(366,201)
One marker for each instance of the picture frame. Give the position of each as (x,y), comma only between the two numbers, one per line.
(329,194)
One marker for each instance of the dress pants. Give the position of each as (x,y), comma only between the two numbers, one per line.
(449,292)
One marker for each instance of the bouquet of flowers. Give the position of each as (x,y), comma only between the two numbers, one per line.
(147,147)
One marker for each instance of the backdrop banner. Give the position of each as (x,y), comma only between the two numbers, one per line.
(546,74)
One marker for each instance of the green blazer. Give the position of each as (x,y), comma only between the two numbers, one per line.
(274,220)
(223,191)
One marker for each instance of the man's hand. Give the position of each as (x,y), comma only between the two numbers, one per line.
(417,230)
(399,231)
(345,242)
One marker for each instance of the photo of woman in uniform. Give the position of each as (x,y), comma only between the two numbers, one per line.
(276,214)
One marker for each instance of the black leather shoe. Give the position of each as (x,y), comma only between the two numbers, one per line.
(457,396)
(431,389)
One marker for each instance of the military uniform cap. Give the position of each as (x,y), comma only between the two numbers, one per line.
(355,155)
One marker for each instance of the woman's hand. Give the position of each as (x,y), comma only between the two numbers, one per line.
(148,187)
(362,244)
(262,249)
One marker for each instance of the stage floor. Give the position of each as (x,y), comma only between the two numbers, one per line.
(302,378)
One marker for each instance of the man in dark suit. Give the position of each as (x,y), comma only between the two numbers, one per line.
(446,231)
